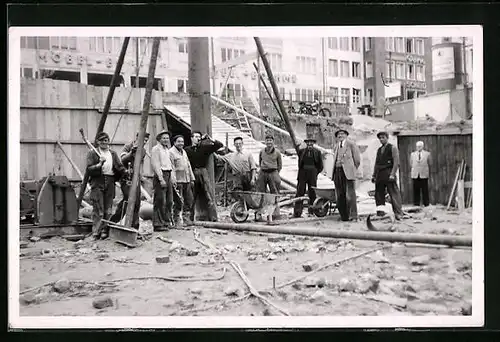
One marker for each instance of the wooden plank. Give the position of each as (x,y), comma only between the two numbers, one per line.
(460,199)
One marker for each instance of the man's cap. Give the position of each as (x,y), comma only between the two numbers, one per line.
(379,134)
(102,136)
(158,136)
(238,138)
(310,139)
(177,137)
(269,137)
(341,130)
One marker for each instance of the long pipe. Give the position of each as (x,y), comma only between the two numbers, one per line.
(267,91)
(433,239)
(265,123)
(269,72)
(142,132)
(112,86)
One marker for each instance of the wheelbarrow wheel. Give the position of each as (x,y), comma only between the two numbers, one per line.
(321,207)
(238,213)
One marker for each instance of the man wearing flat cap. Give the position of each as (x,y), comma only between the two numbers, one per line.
(310,165)
(128,158)
(347,159)
(384,176)
(203,191)
(103,169)
(163,182)
(183,196)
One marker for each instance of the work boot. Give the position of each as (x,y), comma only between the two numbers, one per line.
(380,213)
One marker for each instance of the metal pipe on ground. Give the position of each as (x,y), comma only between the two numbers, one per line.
(448,240)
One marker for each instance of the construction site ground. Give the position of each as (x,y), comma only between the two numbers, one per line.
(68,278)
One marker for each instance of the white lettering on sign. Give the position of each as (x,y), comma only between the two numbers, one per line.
(56,57)
(109,62)
(279,77)
(80,60)
(69,59)
(413,59)
(43,57)
(416,85)
(72,59)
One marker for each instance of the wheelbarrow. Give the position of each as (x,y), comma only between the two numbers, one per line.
(262,203)
(325,202)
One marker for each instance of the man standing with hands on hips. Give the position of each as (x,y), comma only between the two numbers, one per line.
(346,161)
(420,163)
(384,176)
(163,182)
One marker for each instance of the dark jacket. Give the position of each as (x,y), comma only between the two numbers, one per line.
(94,169)
(317,156)
(386,163)
(198,155)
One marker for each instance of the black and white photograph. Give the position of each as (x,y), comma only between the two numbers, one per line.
(195,177)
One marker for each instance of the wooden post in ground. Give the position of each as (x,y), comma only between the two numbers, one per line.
(142,132)
(200,101)
(225,171)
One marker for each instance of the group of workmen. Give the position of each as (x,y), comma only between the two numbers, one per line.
(180,177)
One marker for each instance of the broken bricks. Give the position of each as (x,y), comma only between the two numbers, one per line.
(310,266)
(62,286)
(102,302)
(162,259)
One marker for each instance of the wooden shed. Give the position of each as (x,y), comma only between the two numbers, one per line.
(448,147)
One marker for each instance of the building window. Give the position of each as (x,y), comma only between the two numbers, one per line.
(344,95)
(344,69)
(40,43)
(369,95)
(306,65)
(310,95)
(400,71)
(182,86)
(389,70)
(333,43)
(355,44)
(62,43)
(275,60)
(27,73)
(419,47)
(117,44)
(389,44)
(368,43)
(333,68)
(182,46)
(228,54)
(400,44)
(334,93)
(369,70)
(344,43)
(356,72)
(100,44)
(409,45)
(410,71)
(420,73)
(410,94)
(446,39)
(356,95)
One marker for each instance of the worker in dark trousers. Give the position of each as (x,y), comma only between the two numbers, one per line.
(103,172)
(199,153)
(270,164)
(183,196)
(346,158)
(310,166)
(420,163)
(384,176)
(163,182)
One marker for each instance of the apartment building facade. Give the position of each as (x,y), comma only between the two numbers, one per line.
(396,69)
(329,68)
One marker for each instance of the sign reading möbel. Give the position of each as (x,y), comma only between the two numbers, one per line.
(443,63)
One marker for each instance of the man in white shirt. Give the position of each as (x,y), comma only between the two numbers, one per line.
(103,169)
(183,197)
(242,165)
(420,163)
(163,182)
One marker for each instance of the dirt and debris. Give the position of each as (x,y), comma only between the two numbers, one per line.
(86,278)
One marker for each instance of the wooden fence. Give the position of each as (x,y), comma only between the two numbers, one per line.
(448,149)
(54,111)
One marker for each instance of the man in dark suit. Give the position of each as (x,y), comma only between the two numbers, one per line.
(104,169)
(310,165)
(346,161)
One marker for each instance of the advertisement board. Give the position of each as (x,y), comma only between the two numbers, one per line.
(392,89)
(443,63)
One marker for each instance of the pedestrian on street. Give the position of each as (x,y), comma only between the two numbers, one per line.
(128,158)
(163,183)
(199,153)
(270,164)
(243,166)
(384,176)
(310,166)
(103,171)
(420,164)
(183,194)
(347,159)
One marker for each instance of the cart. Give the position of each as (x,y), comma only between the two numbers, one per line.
(325,202)
(262,203)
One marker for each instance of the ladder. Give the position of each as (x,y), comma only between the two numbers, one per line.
(243,121)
